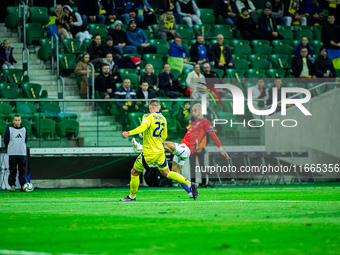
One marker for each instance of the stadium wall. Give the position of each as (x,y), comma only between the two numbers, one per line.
(317,134)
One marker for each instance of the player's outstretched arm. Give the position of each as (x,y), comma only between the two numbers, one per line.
(224,154)
(125,134)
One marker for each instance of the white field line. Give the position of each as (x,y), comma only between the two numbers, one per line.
(175,202)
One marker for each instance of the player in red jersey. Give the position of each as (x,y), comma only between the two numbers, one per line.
(193,137)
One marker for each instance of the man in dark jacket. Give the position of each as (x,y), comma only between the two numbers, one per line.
(109,10)
(221,54)
(227,10)
(207,71)
(128,9)
(120,40)
(200,52)
(330,34)
(105,84)
(124,107)
(302,66)
(89,9)
(324,67)
(247,26)
(120,61)
(267,25)
(6,56)
(168,83)
(144,93)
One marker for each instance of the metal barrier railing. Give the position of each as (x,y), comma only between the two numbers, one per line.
(90,81)
(26,65)
(55,53)
(22,20)
(61,90)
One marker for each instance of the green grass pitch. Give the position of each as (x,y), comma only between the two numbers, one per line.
(294,219)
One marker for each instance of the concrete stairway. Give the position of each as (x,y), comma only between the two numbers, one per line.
(95,129)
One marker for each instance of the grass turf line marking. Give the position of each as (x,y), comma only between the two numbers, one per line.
(175,202)
(33,253)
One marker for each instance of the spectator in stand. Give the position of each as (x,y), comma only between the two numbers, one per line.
(124,107)
(120,40)
(295,14)
(184,115)
(105,84)
(167,26)
(128,9)
(302,66)
(200,52)
(189,12)
(149,77)
(136,37)
(334,9)
(77,27)
(89,11)
(248,4)
(314,10)
(260,96)
(193,81)
(148,13)
(304,43)
(169,84)
(177,50)
(221,54)
(6,56)
(277,7)
(121,62)
(81,70)
(60,22)
(247,26)
(267,25)
(324,67)
(330,34)
(144,93)
(225,9)
(108,9)
(171,5)
(113,68)
(96,52)
(278,86)
(207,73)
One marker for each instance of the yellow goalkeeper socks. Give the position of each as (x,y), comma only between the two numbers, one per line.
(134,184)
(178,178)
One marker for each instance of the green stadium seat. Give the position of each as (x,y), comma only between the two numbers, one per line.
(255,73)
(156,63)
(28,125)
(5,110)
(238,42)
(67,128)
(202,30)
(124,71)
(260,42)
(295,85)
(39,17)
(283,27)
(237,57)
(302,32)
(185,34)
(26,109)
(242,49)
(262,49)
(279,60)
(317,44)
(317,32)
(252,57)
(124,27)
(13,9)
(133,55)
(32,90)
(235,74)
(219,72)
(44,128)
(94,27)
(157,42)
(154,28)
(15,76)
(163,49)
(287,34)
(284,49)
(316,91)
(207,16)
(72,46)
(135,119)
(67,63)
(45,51)
(147,57)
(259,64)
(34,32)
(34,9)
(42,115)
(275,73)
(9,91)
(147,33)
(176,73)
(241,64)
(50,108)
(87,43)
(12,20)
(277,43)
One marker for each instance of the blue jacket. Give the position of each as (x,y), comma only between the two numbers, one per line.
(136,37)
(178,51)
(298,48)
(121,94)
(125,6)
(311,8)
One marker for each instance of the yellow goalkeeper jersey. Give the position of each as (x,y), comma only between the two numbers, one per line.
(155,131)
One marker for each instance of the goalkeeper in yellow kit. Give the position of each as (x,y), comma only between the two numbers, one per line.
(154,128)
